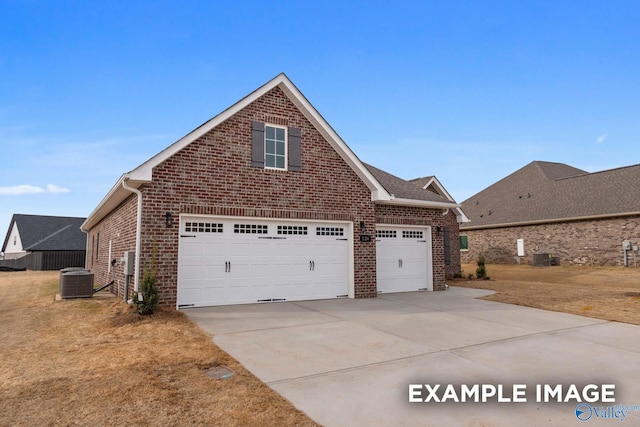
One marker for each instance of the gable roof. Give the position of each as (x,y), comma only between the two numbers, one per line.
(433,182)
(144,173)
(48,233)
(399,188)
(543,192)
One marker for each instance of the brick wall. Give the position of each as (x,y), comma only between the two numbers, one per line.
(593,242)
(119,228)
(451,222)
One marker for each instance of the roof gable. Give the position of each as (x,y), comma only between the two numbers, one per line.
(12,243)
(399,188)
(48,233)
(547,192)
(432,184)
(144,173)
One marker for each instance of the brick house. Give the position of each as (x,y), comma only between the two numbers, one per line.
(574,216)
(265,202)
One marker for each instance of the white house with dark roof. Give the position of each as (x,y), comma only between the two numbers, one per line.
(574,216)
(41,242)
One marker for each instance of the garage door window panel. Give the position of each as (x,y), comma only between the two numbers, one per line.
(250,229)
(292,230)
(412,234)
(386,234)
(203,227)
(329,231)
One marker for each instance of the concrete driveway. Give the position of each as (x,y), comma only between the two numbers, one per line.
(350,362)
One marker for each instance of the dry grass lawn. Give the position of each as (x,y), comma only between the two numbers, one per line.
(609,293)
(96,362)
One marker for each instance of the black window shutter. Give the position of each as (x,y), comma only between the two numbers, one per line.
(257,144)
(447,247)
(294,149)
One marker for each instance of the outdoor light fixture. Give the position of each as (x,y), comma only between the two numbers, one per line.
(168,219)
(365,238)
(438,229)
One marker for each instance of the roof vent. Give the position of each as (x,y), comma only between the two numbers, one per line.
(76,284)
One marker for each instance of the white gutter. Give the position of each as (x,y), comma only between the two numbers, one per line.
(86,250)
(136,272)
(417,203)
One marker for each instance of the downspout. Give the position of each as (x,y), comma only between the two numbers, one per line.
(86,250)
(136,270)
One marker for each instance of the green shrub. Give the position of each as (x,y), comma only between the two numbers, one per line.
(147,297)
(481,271)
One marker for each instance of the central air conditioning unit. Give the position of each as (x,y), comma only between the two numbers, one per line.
(76,284)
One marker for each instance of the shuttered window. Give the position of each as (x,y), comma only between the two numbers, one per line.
(275,147)
(275,141)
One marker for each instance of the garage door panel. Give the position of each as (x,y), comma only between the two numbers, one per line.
(245,261)
(212,294)
(403,259)
(192,249)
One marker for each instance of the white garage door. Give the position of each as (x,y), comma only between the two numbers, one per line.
(403,259)
(238,261)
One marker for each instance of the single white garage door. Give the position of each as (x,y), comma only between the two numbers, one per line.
(403,259)
(239,261)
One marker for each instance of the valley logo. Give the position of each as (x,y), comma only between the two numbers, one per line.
(585,412)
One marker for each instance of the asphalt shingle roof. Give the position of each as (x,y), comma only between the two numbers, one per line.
(403,189)
(49,233)
(545,191)
(421,182)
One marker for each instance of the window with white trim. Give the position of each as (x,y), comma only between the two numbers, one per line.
(464,243)
(275,147)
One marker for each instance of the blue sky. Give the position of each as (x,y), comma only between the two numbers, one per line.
(469,91)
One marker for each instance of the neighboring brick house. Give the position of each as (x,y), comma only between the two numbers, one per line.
(552,208)
(265,202)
